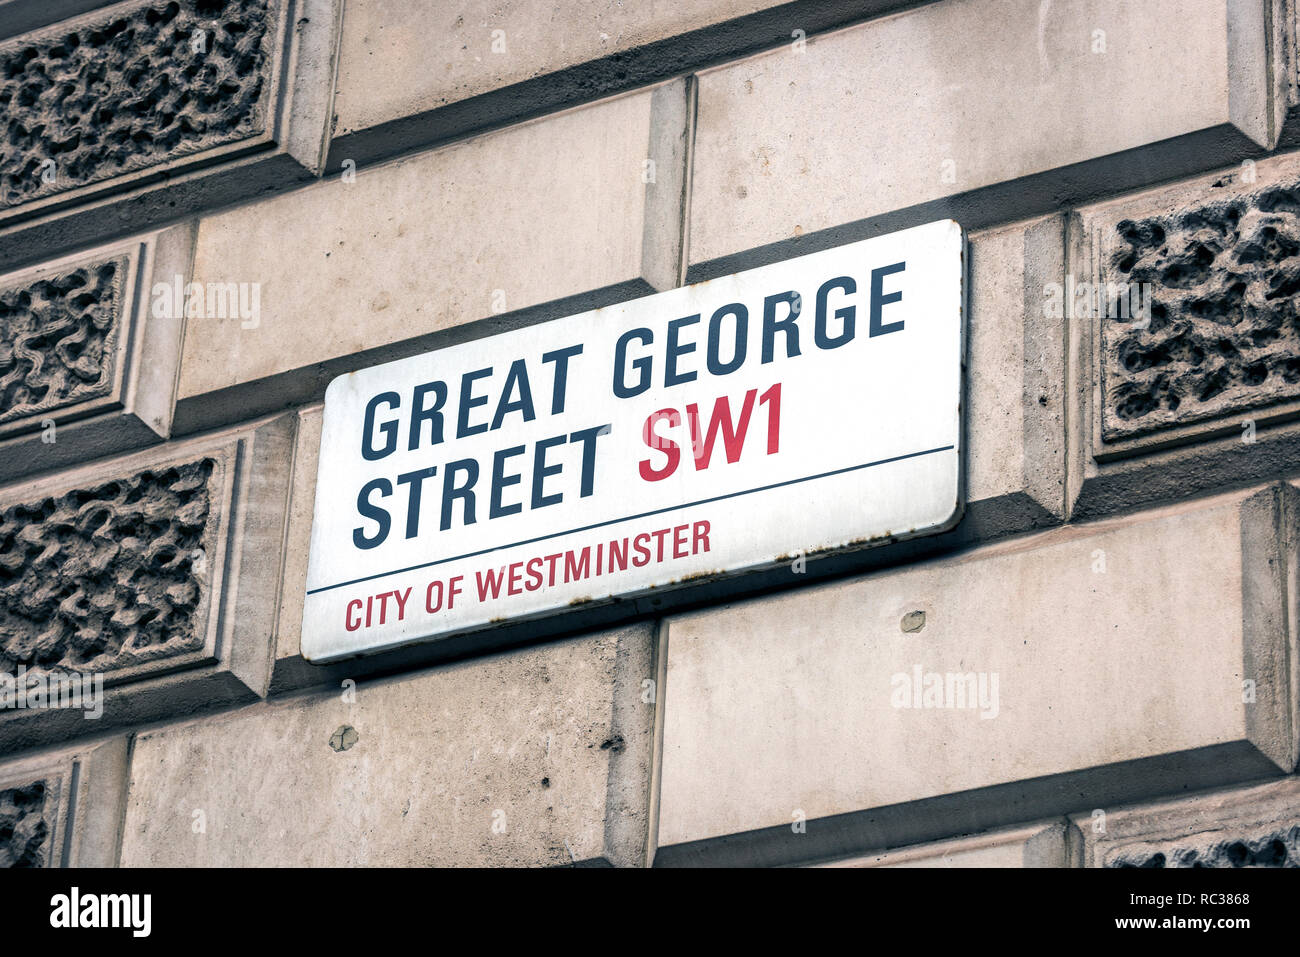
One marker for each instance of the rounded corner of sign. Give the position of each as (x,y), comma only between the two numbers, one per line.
(957,513)
(946,233)
(313,656)
(337,383)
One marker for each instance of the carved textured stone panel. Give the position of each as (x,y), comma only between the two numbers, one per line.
(1278,848)
(129,88)
(107,576)
(25,824)
(1224,330)
(1256,825)
(159,570)
(58,338)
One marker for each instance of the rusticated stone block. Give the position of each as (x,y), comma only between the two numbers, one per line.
(101,578)
(1280,848)
(25,823)
(57,337)
(1184,338)
(127,88)
(107,117)
(1224,332)
(64,809)
(87,364)
(157,573)
(1256,826)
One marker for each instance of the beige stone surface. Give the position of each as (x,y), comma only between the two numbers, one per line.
(551,744)
(950,97)
(513,219)
(1110,642)
(1041,845)
(302,504)
(399,57)
(1015,366)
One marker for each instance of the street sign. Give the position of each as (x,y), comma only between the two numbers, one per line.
(809,405)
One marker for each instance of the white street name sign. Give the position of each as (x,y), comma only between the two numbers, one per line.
(808,405)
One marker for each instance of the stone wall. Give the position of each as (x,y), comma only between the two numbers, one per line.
(351,181)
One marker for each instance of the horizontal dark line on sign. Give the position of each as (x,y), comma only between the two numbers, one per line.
(628,518)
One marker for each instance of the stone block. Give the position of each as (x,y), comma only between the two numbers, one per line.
(1257,826)
(1286,73)
(1185,355)
(87,365)
(550,218)
(126,116)
(865,129)
(540,757)
(983,690)
(415,72)
(302,501)
(64,809)
(1039,845)
(1015,420)
(152,577)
